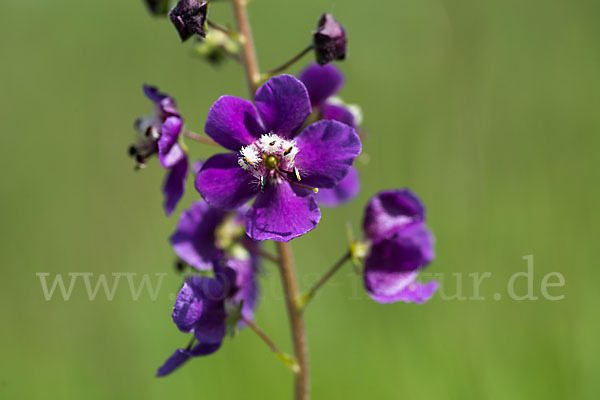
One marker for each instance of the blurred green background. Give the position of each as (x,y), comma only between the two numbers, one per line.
(487,109)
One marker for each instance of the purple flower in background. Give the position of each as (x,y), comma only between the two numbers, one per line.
(189,18)
(271,160)
(201,308)
(159,134)
(401,245)
(205,234)
(329,40)
(345,191)
(323,83)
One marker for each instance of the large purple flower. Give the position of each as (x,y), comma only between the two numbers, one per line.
(323,83)
(401,245)
(159,134)
(202,308)
(205,234)
(271,160)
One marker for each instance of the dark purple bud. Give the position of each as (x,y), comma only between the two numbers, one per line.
(158,7)
(329,40)
(189,18)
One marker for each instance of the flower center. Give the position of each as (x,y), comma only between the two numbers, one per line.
(147,143)
(271,159)
(271,162)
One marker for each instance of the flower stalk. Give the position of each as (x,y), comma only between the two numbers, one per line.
(290,288)
(289,361)
(287,64)
(286,262)
(250,60)
(303,301)
(199,138)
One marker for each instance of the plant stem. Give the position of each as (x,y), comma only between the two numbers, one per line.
(261,334)
(218,27)
(259,251)
(288,64)
(336,267)
(199,138)
(250,60)
(286,263)
(290,288)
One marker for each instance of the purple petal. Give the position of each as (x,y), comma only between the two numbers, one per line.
(408,250)
(342,193)
(338,113)
(194,238)
(233,122)
(197,166)
(283,105)
(401,287)
(187,309)
(172,157)
(176,360)
(174,185)
(391,211)
(327,149)
(280,214)
(153,94)
(246,274)
(321,82)
(224,184)
(210,327)
(165,105)
(169,134)
(182,355)
(416,292)
(206,289)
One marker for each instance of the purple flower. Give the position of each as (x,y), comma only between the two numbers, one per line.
(401,245)
(272,160)
(189,18)
(205,234)
(323,83)
(200,308)
(159,134)
(329,40)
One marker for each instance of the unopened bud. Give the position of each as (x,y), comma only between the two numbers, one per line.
(189,18)
(329,40)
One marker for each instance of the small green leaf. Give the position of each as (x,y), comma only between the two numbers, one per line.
(288,361)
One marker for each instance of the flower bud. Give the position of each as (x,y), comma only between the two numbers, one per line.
(329,40)
(189,18)
(216,47)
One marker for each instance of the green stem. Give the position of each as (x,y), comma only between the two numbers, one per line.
(257,250)
(262,335)
(218,27)
(287,64)
(336,267)
(199,138)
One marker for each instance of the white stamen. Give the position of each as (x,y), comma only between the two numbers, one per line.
(252,157)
